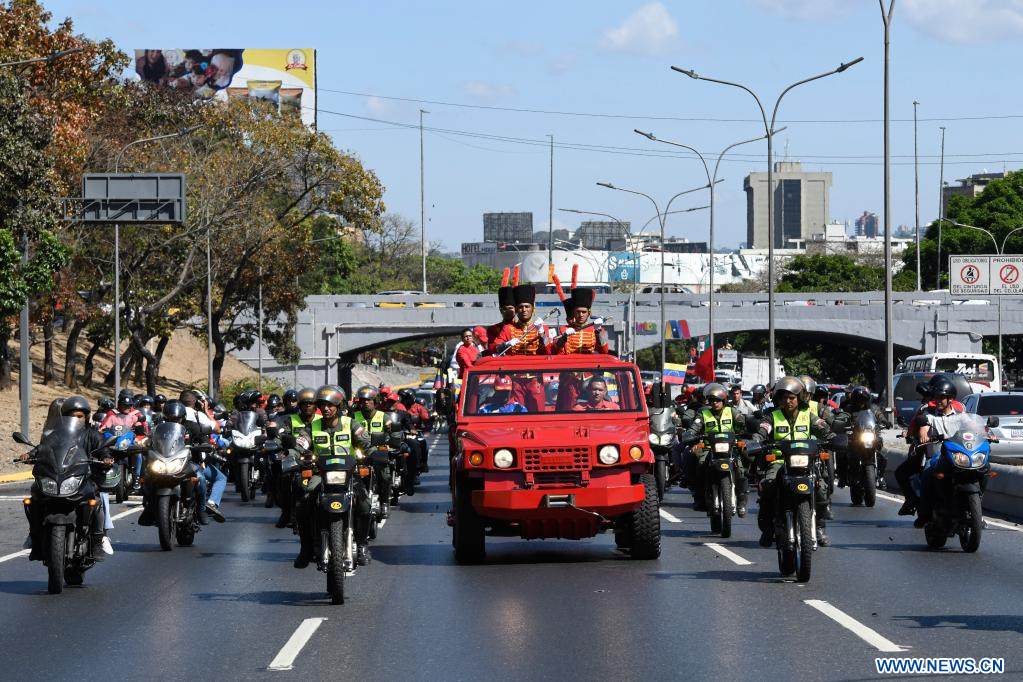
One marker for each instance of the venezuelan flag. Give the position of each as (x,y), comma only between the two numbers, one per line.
(674,374)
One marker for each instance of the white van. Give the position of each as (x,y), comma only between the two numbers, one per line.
(982,371)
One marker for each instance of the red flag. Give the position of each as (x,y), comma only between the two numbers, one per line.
(704,365)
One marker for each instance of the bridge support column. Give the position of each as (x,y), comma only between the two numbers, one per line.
(346,362)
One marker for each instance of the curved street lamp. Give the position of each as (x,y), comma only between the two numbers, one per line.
(769,132)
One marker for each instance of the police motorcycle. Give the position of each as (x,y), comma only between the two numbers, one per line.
(170,485)
(955,489)
(388,451)
(795,508)
(863,459)
(720,469)
(68,499)
(335,518)
(246,443)
(663,430)
(120,479)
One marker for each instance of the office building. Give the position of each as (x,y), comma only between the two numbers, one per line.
(801,205)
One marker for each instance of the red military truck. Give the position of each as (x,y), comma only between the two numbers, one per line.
(553,447)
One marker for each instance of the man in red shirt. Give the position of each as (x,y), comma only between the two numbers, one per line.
(596,398)
(467,353)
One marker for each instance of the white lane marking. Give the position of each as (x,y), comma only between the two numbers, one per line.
(11,498)
(987,519)
(871,637)
(728,554)
(668,516)
(287,655)
(23,552)
(126,512)
(383,522)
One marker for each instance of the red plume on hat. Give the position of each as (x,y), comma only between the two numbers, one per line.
(504,279)
(504,294)
(581,296)
(565,300)
(515,276)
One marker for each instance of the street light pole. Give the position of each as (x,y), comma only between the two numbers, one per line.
(662,218)
(889,346)
(769,133)
(422,193)
(550,219)
(941,206)
(916,195)
(711,181)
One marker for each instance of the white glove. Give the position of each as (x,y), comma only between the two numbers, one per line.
(597,321)
(512,342)
(569,331)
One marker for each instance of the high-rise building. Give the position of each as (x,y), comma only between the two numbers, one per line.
(508,227)
(866,225)
(801,205)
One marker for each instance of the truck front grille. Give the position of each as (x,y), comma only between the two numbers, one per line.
(555,459)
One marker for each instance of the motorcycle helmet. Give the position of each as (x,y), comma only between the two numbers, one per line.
(239,402)
(307,395)
(159,401)
(290,397)
(331,394)
(174,411)
(809,387)
(821,394)
(366,393)
(759,389)
(407,396)
(106,404)
(787,385)
(75,403)
(273,401)
(125,399)
(145,400)
(943,387)
(859,397)
(716,391)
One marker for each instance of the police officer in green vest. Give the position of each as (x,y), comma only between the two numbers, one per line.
(717,416)
(305,420)
(374,421)
(824,411)
(331,432)
(788,421)
(306,416)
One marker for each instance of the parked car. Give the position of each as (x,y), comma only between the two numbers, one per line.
(908,399)
(1008,407)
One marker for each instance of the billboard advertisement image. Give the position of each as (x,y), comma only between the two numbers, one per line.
(285,78)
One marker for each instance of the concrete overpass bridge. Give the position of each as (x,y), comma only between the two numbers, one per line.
(333,330)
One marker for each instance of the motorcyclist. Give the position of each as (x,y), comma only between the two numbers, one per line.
(328,433)
(274,405)
(159,400)
(211,479)
(717,416)
(124,420)
(823,396)
(941,422)
(420,422)
(759,398)
(941,406)
(372,420)
(854,402)
(789,420)
(824,411)
(289,401)
(195,410)
(106,406)
(91,442)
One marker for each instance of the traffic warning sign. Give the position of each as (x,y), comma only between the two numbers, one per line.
(970,275)
(1007,275)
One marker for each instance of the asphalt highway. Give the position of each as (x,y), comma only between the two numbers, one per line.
(232,606)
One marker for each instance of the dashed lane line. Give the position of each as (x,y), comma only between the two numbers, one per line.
(868,635)
(728,554)
(285,658)
(8,557)
(668,516)
(987,519)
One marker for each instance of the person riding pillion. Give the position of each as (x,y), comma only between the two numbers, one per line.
(789,420)
(718,417)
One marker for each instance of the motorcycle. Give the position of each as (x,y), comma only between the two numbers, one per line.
(954,491)
(662,439)
(169,485)
(863,459)
(120,479)
(335,519)
(246,442)
(63,489)
(719,481)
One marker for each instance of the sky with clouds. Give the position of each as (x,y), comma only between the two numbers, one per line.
(498,78)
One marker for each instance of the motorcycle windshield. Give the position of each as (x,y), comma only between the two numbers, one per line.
(61,448)
(865,421)
(167,439)
(660,420)
(971,432)
(246,421)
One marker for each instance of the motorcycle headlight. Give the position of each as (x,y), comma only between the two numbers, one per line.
(336,477)
(48,485)
(721,447)
(158,466)
(70,485)
(978,458)
(176,465)
(122,444)
(666,438)
(867,438)
(504,458)
(961,459)
(799,461)
(654,439)
(608,454)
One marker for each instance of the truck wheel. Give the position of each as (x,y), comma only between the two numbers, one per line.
(645,542)
(470,541)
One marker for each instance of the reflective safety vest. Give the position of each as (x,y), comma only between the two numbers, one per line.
(326,441)
(297,425)
(782,430)
(711,424)
(374,425)
(815,408)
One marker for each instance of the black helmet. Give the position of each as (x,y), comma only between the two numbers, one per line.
(125,397)
(75,403)
(860,395)
(160,399)
(273,401)
(332,394)
(943,387)
(291,395)
(239,401)
(759,389)
(174,411)
(106,404)
(407,394)
(146,399)
(820,394)
(307,395)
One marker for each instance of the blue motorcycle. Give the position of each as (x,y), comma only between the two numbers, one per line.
(951,484)
(121,478)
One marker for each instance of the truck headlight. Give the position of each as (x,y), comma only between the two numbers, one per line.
(608,454)
(336,477)
(504,458)
(867,438)
(799,461)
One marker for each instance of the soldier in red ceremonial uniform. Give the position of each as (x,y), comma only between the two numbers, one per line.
(579,336)
(506,304)
(524,337)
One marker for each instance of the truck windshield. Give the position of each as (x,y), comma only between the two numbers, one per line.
(524,392)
